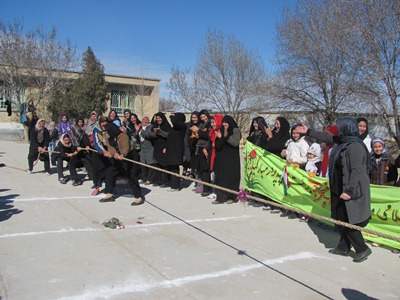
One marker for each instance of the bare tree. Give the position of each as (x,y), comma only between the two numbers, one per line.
(166,104)
(34,59)
(376,45)
(227,77)
(184,91)
(315,74)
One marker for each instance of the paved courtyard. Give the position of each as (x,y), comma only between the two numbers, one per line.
(175,246)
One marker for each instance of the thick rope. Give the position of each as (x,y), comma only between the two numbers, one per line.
(311,215)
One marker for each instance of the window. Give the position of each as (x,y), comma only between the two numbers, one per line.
(5,94)
(121,100)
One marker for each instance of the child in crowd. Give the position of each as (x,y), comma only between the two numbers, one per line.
(296,150)
(313,165)
(383,166)
(295,153)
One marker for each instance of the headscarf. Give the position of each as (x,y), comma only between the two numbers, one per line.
(261,124)
(131,129)
(77,134)
(218,123)
(378,157)
(205,112)
(65,127)
(52,126)
(116,121)
(40,132)
(283,134)
(178,121)
(113,132)
(315,149)
(164,126)
(348,134)
(62,140)
(232,124)
(334,131)
(100,120)
(365,134)
(197,114)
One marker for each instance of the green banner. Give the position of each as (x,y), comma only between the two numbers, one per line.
(262,174)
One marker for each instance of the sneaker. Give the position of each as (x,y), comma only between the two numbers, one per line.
(205,194)
(275,211)
(212,196)
(303,219)
(30,172)
(62,180)
(95,192)
(47,174)
(267,207)
(198,190)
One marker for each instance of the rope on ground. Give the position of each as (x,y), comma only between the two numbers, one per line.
(308,214)
(311,215)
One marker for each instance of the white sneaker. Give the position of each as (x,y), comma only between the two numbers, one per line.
(30,172)
(212,196)
(47,174)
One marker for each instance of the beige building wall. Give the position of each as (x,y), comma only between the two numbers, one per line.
(147,91)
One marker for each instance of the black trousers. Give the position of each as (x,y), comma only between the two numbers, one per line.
(71,167)
(205,176)
(100,166)
(175,182)
(32,156)
(349,237)
(121,168)
(147,174)
(159,176)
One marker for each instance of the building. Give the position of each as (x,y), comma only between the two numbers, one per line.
(139,94)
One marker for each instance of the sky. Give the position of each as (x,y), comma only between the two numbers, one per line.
(147,38)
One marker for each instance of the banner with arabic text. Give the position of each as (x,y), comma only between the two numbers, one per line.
(262,174)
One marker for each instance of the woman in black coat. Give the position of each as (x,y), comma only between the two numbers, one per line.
(39,142)
(175,148)
(202,146)
(349,167)
(258,135)
(227,160)
(159,135)
(278,136)
(191,142)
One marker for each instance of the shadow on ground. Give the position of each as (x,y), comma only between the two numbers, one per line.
(7,210)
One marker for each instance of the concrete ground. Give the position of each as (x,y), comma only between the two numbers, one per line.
(175,246)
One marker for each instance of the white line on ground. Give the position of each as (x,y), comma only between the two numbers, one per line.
(139,287)
(48,198)
(136,226)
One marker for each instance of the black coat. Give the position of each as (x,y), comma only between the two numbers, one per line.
(34,143)
(175,140)
(227,160)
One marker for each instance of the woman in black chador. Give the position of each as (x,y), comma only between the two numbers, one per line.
(39,142)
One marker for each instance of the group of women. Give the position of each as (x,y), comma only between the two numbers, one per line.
(209,145)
